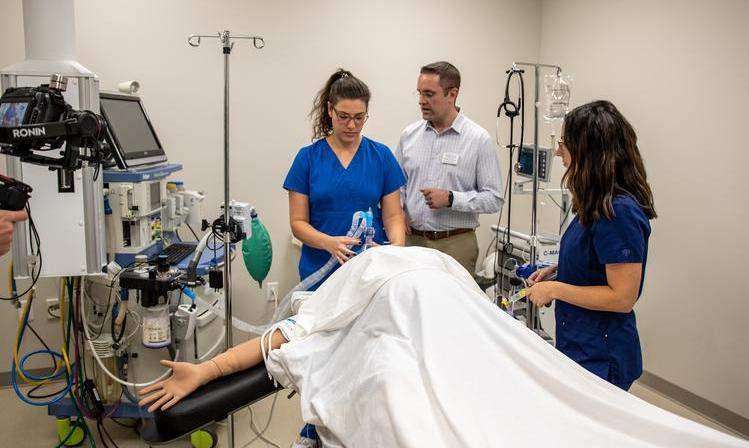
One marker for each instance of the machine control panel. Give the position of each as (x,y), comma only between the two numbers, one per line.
(524,165)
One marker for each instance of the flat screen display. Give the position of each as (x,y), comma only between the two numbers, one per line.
(130,127)
(11,114)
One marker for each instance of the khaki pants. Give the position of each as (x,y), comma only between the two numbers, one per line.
(463,247)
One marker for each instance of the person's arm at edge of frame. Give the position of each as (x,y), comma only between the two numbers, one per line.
(186,377)
(619,295)
(7,220)
(392,218)
(303,230)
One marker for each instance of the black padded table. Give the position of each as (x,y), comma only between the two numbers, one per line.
(209,403)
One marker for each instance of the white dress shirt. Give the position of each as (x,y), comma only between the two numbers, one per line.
(462,159)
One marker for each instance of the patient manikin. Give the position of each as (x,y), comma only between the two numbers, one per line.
(186,377)
(399,347)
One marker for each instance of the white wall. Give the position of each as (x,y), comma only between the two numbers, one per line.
(384,43)
(679,72)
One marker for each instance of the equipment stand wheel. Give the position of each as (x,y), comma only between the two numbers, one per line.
(204,438)
(69,434)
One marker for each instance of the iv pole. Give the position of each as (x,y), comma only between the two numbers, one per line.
(227,44)
(531,310)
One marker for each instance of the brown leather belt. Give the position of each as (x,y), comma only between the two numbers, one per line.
(438,234)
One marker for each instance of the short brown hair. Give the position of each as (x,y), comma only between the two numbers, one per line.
(449,75)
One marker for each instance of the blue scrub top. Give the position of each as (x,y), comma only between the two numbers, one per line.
(605,343)
(336,193)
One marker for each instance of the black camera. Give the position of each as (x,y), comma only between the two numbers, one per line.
(37,119)
(13,194)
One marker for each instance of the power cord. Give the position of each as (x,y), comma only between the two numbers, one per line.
(35,241)
(192,231)
(261,434)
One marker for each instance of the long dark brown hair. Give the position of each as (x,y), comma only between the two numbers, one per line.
(341,85)
(605,162)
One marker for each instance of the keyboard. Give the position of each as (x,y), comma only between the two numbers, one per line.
(177,252)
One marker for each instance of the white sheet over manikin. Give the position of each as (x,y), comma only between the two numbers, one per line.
(399,348)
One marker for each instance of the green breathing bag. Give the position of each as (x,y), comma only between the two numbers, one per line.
(257,251)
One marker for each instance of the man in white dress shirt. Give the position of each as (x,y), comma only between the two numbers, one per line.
(451,168)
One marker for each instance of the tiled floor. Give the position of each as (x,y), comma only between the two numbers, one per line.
(23,426)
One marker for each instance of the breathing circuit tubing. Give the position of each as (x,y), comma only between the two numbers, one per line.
(361,224)
(101,364)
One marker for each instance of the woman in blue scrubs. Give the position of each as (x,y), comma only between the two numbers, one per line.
(340,173)
(604,250)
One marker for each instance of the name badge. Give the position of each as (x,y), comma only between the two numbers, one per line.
(450,158)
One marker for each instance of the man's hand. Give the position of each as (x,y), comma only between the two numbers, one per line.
(436,198)
(7,219)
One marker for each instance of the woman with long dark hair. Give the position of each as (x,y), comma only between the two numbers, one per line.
(340,173)
(604,250)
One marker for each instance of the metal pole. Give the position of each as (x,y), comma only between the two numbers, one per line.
(564,212)
(531,310)
(227,45)
(523,236)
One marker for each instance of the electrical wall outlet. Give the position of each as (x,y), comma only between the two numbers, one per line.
(51,302)
(271,291)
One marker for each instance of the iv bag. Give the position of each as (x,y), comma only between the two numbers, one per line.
(557,98)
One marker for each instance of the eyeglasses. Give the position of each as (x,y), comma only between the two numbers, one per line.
(358,119)
(427,95)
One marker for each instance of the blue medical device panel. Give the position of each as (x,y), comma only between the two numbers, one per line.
(207,260)
(141,175)
(525,162)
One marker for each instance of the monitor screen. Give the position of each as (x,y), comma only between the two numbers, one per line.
(133,135)
(525,162)
(11,114)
